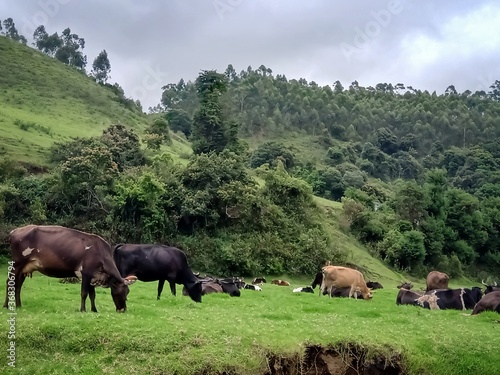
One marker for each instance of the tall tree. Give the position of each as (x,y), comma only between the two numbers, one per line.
(101,67)
(209,132)
(70,53)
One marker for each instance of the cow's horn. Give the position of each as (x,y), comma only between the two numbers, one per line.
(482,282)
(495,283)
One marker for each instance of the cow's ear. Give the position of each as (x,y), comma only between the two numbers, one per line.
(129,280)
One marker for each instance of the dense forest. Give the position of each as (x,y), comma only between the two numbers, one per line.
(416,172)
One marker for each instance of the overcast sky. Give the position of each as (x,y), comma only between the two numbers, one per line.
(428,45)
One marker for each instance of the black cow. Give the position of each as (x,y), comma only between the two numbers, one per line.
(318,280)
(409,297)
(344,292)
(490,288)
(458,299)
(253,287)
(158,262)
(374,285)
(238,281)
(405,285)
(229,287)
(490,302)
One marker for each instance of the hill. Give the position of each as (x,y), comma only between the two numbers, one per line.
(43,101)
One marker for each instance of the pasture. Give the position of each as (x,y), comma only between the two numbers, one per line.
(246,335)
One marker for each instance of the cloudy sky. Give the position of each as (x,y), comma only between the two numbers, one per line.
(428,45)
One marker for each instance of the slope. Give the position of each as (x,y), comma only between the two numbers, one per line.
(43,101)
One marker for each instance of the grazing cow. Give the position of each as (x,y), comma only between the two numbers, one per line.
(457,299)
(253,287)
(62,252)
(318,280)
(158,262)
(343,277)
(259,280)
(374,285)
(490,302)
(490,288)
(305,289)
(437,280)
(280,282)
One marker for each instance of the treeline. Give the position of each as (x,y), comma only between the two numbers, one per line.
(211,208)
(418,172)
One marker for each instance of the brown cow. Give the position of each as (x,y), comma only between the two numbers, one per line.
(63,252)
(342,277)
(437,280)
(490,302)
(280,282)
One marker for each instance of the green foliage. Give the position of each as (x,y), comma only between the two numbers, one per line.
(272,153)
(179,120)
(101,67)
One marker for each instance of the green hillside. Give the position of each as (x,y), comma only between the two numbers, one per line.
(43,101)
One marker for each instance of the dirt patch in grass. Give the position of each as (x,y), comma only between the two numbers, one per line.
(346,359)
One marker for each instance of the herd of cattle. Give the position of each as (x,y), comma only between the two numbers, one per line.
(61,252)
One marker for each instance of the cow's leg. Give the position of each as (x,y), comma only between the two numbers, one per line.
(19,278)
(92,298)
(352,291)
(172,287)
(85,291)
(160,288)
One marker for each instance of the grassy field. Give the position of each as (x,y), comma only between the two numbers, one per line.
(237,335)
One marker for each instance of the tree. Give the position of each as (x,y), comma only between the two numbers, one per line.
(124,146)
(179,120)
(209,132)
(70,52)
(11,31)
(101,67)
(46,43)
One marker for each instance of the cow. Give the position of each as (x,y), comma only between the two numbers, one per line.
(207,287)
(238,281)
(158,262)
(405,285)
(343,277)
(259,280)
(344,292)
(437,280)
(457,299)
(280,282)
(318,280)
(253,287)
(230,288)
(490,288)
(374,285)
(490,302)
(305,289)
(61,252)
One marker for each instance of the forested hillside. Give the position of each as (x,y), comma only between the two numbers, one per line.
(417,172)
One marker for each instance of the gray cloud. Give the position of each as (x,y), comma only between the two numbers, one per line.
(428,45)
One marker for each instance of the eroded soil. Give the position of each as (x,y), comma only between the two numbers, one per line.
(349,359)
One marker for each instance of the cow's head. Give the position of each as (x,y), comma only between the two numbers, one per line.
(194,291)
(476,294)
(367,295)
(119,292)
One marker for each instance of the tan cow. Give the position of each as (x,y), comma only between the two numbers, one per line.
(437,280)
(280,282)
(343,277)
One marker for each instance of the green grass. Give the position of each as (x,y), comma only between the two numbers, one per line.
(175,335)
